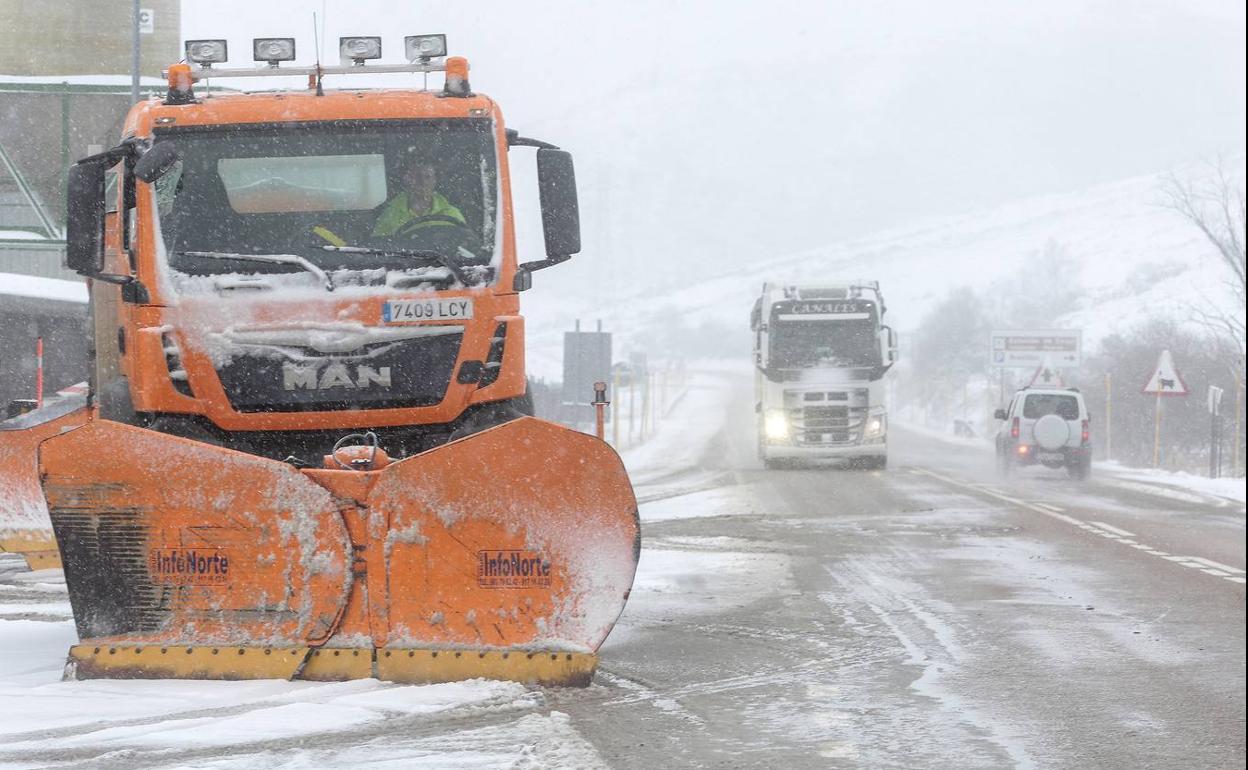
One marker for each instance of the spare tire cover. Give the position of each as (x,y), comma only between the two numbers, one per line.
(1051,431)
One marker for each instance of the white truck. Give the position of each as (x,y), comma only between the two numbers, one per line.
(820,355)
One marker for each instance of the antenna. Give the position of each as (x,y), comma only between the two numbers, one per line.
(320,49)
(316,43)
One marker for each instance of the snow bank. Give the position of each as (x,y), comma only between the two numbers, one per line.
(1229,488)
(36,287)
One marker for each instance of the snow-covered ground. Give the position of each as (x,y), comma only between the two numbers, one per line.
(279,724)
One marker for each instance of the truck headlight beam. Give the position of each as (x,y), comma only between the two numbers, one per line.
(776,425)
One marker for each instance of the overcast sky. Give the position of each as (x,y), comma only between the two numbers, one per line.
(708,134)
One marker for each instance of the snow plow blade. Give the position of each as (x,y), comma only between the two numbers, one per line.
(24,525)
(508,554)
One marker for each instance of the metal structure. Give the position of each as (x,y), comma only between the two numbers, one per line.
(586,361)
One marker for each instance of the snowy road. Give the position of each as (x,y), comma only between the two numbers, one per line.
(928,616)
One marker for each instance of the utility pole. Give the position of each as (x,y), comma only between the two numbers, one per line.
(135,60)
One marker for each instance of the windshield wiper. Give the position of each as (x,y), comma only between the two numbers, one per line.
(270,259)
(445,260)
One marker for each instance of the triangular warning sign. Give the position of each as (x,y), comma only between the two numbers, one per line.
(1166,380)
(1046,376)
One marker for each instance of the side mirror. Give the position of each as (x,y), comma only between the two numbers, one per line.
(1000,414)
(888,346)
(523,280)
(561,219)
(157,161)
(84,211)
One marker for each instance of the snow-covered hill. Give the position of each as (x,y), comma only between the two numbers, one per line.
(1137,259)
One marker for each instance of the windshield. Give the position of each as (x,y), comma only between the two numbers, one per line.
(807,344)
(385,190)
(1041,404)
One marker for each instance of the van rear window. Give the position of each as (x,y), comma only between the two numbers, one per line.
(1040,404)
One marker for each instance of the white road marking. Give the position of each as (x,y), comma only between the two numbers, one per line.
(1107,531)
(1218,565)
(1053,508)
(1112,528)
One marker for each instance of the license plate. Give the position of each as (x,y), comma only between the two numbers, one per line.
(1050,457)
(409,311)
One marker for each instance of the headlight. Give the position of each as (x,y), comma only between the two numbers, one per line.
(357,49)
(775,425)
(424,47)
(875,427)
(207,52)
(273,49)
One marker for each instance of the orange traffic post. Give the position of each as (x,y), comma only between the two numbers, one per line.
(600,409)
(39,373)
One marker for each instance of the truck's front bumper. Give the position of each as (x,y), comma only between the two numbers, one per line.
(847,452)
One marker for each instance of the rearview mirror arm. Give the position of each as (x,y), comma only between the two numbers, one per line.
(515,140)
(542,264)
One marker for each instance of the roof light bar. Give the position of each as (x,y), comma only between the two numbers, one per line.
(424,47)
(273,49)
(359,49)
(207,52)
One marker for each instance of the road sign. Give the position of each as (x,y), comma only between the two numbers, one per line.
(1166,380)
(147,21)
(1031,348)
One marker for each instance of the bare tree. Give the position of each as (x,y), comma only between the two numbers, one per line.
(1215,205)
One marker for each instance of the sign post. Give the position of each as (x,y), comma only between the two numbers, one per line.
(1166,381)
(1214,402)
(1109,416)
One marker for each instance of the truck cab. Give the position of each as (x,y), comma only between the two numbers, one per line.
(259,278)
(820,355)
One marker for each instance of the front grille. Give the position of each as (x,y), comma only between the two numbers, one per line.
(826,418)
(392,374)
(104,556)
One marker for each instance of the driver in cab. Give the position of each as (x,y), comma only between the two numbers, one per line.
(418,206)
(417,216)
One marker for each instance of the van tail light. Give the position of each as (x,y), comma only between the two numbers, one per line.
(1085,432)
(1014,428)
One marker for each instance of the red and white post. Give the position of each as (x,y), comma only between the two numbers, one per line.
(39,373)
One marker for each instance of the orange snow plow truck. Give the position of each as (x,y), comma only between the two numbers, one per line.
(309,450)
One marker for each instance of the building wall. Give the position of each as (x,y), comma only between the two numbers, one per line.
(84,37)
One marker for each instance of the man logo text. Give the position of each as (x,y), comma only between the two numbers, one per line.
(296,377)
